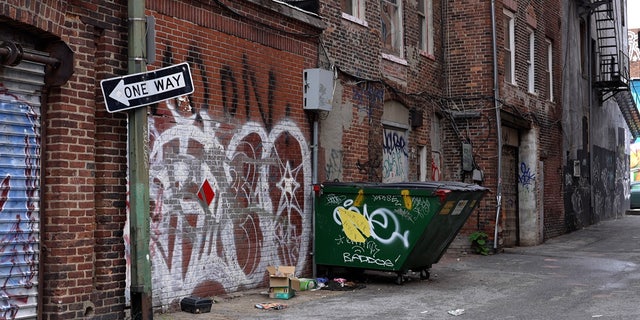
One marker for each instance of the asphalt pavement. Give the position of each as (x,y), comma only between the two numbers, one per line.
(592,273)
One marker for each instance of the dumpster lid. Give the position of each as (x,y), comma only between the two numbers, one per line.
(431,185)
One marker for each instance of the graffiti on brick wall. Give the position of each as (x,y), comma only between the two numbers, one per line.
(606,179)
(576,199)
(634,162)
(229,196)
(369,167)
(634,50)
(603,181)
(436,166)
(368,95)
(245,83)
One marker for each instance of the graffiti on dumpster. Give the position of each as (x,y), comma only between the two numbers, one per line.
(364,253)
(367,227)
(359,258)
(351,219)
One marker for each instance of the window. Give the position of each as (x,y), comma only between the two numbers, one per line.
(391,26)
(531,62)
(395,147)
(354,10)
(425,15)
(509,48)
(583,46)
(395,156)
(549,70)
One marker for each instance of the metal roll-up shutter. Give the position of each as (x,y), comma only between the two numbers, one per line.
(20,152)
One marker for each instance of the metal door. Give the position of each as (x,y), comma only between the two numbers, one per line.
(395,158)
(20,90)
(510,196)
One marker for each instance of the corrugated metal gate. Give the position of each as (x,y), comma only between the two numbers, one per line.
(20,92)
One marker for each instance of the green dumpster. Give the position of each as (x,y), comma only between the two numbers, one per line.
(390,226)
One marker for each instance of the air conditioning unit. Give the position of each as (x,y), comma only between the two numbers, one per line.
(317,89)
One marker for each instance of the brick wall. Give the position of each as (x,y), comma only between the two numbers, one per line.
(470,75)
(352,133)
(244,132)
(82,263)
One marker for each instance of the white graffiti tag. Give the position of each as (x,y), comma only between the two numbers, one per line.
(359,226)
(358,258)
(259,199)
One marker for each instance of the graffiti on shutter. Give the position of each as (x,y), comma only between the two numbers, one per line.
(20,88)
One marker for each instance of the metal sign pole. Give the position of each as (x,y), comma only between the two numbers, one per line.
(141,295)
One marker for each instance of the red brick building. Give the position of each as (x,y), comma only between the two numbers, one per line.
(285,95)
(242,136)
(526,93)
(440,82)
(482,93)
(383,89)
(244,133)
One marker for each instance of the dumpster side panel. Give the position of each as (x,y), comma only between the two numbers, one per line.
(442,230)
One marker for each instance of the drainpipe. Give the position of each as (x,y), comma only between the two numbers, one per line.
(314,182)
(496,96)
(591,122)
(141,304)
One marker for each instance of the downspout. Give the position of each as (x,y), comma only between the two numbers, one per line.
(496,96)
(141,297)
(314,182)
(590,104)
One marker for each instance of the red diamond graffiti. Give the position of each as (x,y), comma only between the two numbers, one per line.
(206,194)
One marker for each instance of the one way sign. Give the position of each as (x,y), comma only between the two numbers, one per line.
(141,89)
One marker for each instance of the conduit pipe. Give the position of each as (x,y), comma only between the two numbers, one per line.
(496,96)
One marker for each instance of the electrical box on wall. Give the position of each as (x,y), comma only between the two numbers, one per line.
(467,157)
(317,89)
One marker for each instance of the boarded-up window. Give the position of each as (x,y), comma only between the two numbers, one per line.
(391,27)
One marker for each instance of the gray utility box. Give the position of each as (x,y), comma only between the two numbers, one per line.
(318,89)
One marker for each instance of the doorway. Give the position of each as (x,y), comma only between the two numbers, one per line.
(510,229)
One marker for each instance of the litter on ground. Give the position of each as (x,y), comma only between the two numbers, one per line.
(456,312)
(271,306)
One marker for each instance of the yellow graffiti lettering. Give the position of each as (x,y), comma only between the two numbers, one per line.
(355,225)
(407,199)
(359,199)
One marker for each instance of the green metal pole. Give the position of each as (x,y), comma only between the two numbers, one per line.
(141,304)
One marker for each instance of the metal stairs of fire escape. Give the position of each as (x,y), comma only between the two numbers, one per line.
(613,64)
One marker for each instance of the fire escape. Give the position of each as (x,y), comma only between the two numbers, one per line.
(612,74)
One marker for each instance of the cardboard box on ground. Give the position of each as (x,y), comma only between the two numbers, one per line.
(283,283)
